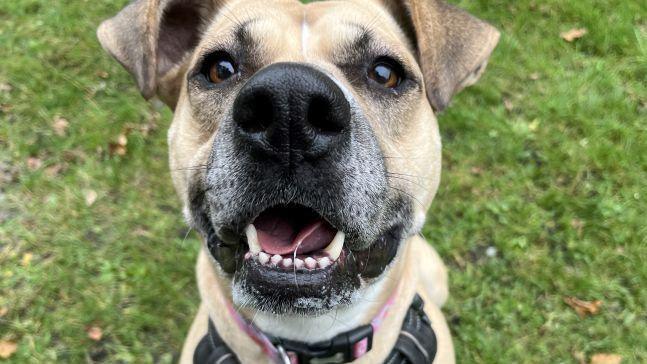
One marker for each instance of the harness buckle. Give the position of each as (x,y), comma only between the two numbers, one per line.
(283,355)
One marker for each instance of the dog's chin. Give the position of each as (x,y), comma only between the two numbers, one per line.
(296,263)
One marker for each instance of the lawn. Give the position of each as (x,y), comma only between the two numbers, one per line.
(543,194)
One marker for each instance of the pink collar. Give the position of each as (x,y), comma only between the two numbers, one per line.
(280,356)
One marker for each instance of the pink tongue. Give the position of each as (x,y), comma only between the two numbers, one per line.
(277,236)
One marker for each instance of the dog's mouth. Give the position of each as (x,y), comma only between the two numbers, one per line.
(290,258)
(293,238)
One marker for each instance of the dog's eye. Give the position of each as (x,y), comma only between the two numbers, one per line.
(221,68)
(386,74)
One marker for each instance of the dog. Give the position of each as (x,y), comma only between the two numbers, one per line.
(305,150)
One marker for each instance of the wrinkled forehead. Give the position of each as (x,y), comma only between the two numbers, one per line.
(287,30)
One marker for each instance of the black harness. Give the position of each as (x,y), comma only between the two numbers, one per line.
(415,345)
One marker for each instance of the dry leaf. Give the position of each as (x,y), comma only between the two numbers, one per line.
(578,225)
(5,87)
(6,108)
(583,308)
(3,311)
(102,74)
(534,76)
(477,171)
(95,333)
(7,348)
(26,259)
(575,33)
(119,147)
(141,232)
(34,163)
(60,125)
(53,170)
(606,359)
(507,103)
(90,197)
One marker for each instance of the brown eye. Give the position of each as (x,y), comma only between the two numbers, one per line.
(221,69)
(385,74)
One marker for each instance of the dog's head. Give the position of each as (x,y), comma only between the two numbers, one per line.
(304,143)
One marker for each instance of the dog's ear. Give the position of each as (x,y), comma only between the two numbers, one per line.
(452,46)
(153,39)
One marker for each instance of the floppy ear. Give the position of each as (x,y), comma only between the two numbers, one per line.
(453,47)
(153,39)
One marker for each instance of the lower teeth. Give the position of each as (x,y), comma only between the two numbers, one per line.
(309,263)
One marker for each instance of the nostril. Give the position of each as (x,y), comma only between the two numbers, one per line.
(326,116)
(255,113)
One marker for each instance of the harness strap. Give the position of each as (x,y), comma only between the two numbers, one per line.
(415,345)
(212,350)
(417,341)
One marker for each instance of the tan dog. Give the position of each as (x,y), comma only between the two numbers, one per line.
(306,152)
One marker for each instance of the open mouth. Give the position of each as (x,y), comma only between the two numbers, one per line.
(293,238)
(292,259)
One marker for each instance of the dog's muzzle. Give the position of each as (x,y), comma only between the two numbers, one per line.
(295,199)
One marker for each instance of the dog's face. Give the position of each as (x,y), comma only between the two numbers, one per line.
(304,143)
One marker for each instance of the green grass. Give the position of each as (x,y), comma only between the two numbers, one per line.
(555,182)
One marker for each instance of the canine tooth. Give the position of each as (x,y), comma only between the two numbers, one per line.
(311,263)
(252,239)
(276,259)
(298,263)
(323,262)
(287,263)
(248,255)
(263,258)
(334,248)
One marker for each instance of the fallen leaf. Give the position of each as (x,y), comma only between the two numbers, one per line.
(141,232)
(26,259)
(119,147)
(6,108)
(583,308)
(53,170)
(477,171)
(578,225)
(95,333)
(606,359)
(102,74)
(8,173)
(534,76)
(60,125)
(507,103)
(34,163)
(90,197)
(3,311)
(5,87)
(7,348)
(571,35)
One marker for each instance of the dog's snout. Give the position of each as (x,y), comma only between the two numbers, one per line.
(292,109)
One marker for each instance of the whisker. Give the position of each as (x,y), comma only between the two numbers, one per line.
(409,195)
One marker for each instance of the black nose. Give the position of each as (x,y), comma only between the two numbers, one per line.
(293,112)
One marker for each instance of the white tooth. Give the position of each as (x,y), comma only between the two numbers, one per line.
(252,239)
(287,263)
(276,259)
(334,248)
(311,263)
(263,258)
(323,262)
(298,263)
(248,255)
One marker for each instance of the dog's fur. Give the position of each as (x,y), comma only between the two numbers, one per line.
(396,151)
